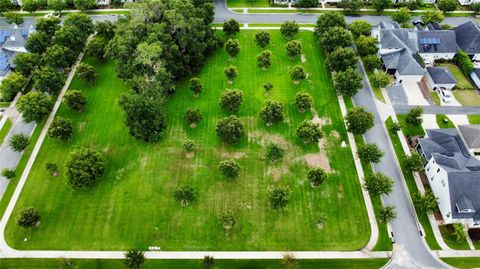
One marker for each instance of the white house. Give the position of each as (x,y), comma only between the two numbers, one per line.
(468,39)
(467,2)
(454,172)
(440,77)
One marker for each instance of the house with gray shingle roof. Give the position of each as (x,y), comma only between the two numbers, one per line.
(440,77)
(468,39)
(436,44)
(453,172)
(12,42)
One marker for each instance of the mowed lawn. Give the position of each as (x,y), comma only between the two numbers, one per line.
(132,205)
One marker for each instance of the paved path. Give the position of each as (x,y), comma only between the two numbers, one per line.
(4,248)
(410,250)
(434,109)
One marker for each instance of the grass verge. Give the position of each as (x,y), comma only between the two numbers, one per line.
(5,129)
(409,130)
(463,263)
(443,121)
(412,187)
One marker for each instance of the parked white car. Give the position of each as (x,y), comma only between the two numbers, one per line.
(445,94)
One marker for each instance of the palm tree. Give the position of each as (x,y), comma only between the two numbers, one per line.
(134,259)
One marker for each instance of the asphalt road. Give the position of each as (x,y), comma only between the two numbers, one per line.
(222,13)
(412,252)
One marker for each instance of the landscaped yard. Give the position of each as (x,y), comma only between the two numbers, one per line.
(463,263)
(5,129)
(132,205)
(467,97)
(409,130)
(451,240)
(474,119)
(443,121)
(462,81)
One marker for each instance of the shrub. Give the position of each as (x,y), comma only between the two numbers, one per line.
(231,73)
(52,168)
(402,16)
(228,219)
(431,16)
(195,86)
(229,168)
(293,48)
(208,261)
(75,100)
(289,261)
(231,100)
(268,86)
(19,142)
(279,197)
(297,73)
(414,117)
(185,195)
(274,152)
(192,116)
(134,259)
(413,163)
(464,62)
(84,167)
(371,62)
(316,176)
(309,132)
(231,27)
(87,73)
(189,146)
(361,27)
(263,38)
(8,173)
(378,184)
(426,203)
(369,153)
(303,101)
(232,46)
(264,59)
(289,29)
(272,112)
(387,214)
(28,218)
(230,130)
(61,128)
(359,120)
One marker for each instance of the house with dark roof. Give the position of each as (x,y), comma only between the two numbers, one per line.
(468,39)
(436,44)
(12,42)
(440,77)
(453,172)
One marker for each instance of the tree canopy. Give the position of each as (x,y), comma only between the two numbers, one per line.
(328,20)
(341,59)
(61,128)
(230,130)
(348,82)
(35,106)
(84,167)
(272,112)
(11,85)
(336,37)
(358,120)
(289,29)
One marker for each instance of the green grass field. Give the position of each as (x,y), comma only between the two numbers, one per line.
(248,3)
(467,97)
(474,119)
(462,80)
(195,264)
(133,204)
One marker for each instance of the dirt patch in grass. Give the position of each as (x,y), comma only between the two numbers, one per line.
(277,172)
(321,121)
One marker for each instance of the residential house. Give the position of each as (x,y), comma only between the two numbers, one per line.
(12,42)
(436,44)
(467,2)
(440,77)
(468,39)
(453,172)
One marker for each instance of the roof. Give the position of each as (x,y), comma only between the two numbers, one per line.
(441,75)
(402,61)
(449,151)
(468,37)
(436,41)
(434,26)
(471,135)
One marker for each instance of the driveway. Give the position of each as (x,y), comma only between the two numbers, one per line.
(414,93)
